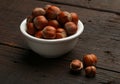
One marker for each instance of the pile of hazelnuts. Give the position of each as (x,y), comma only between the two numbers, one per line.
(89,62)
(51,22)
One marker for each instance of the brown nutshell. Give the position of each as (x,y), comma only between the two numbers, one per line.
(38,11)
(47,6)
(64,17)
(52,12)
(49,32)
(76,65)
(60,33)
(40,22)
(90,59)
(53,23)
(39,34)
(30,19)
(71,28)
(31,29)
(74,17)
(90,71)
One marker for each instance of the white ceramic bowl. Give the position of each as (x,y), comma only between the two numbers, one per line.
(51,48)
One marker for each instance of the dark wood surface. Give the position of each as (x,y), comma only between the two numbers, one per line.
(19,65)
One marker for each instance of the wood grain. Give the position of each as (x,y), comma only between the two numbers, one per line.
(101,32)
(19,65)
(100,5)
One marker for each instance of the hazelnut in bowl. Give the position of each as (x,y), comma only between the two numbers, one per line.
(48,36)
(51,48)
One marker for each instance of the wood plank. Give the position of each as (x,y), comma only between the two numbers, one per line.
(13,15)
(101,34)
(18,66)
(101,5)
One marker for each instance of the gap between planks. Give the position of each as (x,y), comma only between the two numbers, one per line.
(95,9)
(14,46)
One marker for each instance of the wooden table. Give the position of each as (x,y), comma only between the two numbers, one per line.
(19,65)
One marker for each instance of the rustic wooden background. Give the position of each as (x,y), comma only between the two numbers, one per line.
(19,65)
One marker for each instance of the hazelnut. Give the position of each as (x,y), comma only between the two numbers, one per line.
(71,28)
(49,32)
(29,19)
(90,71)
(47,6)
(38,11)
(74,17)
(40,22)
(60,33)
(76,65)
(31,29)
(90,59)
(38,34)
(53,23)
(64,17)
(52,12)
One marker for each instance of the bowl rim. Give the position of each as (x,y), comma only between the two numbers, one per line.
(23,28)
